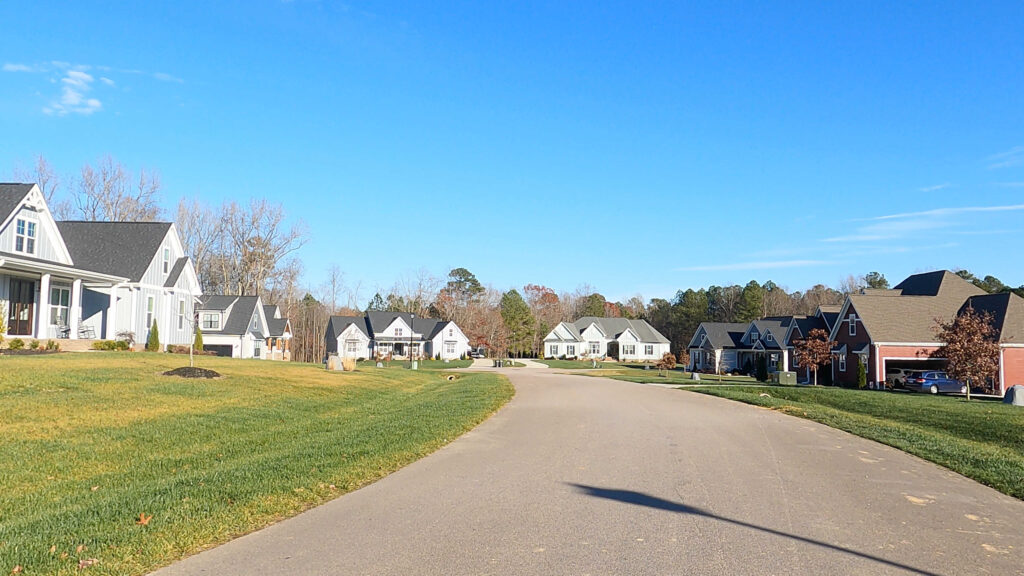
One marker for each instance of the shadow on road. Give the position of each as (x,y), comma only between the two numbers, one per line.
(641,499)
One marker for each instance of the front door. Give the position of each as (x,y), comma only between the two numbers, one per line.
(21,311)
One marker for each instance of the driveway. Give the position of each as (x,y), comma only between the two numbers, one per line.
(581,475)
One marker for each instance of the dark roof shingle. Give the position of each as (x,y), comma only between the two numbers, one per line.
(119,248)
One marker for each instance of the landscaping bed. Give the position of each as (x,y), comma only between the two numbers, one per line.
(106,460)
(983,440)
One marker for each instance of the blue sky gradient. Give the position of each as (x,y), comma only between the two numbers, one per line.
(636,147)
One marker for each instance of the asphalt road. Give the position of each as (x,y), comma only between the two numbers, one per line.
(579,475)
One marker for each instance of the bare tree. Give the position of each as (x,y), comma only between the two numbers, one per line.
(257,240)
(111,193)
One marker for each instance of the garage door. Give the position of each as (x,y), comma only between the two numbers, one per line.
(220,350)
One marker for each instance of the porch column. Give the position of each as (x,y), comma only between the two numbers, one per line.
(75,313)
(43,314)
(785,360)
(111,332)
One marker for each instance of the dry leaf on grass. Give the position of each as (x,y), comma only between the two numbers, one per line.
(87,562)
(143,519)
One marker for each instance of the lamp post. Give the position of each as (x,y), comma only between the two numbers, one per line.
(412,322)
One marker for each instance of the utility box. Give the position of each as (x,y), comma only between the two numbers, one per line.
(784,378)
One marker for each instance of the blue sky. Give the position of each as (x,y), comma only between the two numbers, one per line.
(635,147)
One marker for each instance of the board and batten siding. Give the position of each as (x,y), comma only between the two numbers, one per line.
(46,247)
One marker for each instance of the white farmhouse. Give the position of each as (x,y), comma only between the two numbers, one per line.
(592,337)
(396,334)
(242,327)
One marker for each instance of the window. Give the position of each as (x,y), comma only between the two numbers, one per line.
(25,236)
(398,331)
(149,312)
(753,336)
(60,300)
(769,337)
(842,362)
(570,350)
(773,360)
(167,260)
(351,347)
(595,348)
(255,322)
(257,349)
(211,321)
(703,339)
(451,331)
(629,349)
(449,348)
(181,314)
(649,349)
(853,324)
(553,350)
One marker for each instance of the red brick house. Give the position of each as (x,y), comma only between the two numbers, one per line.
(895,328)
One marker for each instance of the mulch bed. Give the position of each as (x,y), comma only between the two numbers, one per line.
(26,352)
(192,372)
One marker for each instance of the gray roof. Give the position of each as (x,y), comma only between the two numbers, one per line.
(1007,310)
(240,315)
(10,196)
(275,326)
(337,324)
(118,248)
(176,270)
(613,327)
(379,321)
(807,323)
(723,334)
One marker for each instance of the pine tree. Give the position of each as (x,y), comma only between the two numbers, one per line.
(518,320)
(197,344)
(153,341)
(862,375)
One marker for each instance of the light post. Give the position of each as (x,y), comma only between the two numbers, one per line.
(412,322)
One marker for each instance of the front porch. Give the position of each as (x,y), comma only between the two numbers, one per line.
(400,350)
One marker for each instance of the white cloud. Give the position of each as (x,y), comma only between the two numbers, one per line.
(75,85)
(8,67)
(106,81)
(1012,157)
(948,212)
(167,78)
(761,265)
(935,188)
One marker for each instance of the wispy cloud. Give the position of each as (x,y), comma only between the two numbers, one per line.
(1012,157)
(947,212)
(75,85)
(1010,184)
(77,94)
(761,265)
(9,67)
(935,188)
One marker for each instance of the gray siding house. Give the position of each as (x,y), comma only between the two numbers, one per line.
(395,334)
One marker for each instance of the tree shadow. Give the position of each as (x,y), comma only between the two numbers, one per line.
(646,500)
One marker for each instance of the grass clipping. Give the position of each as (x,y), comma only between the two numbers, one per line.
(192,372)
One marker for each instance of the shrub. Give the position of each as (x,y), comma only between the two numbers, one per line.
(762,369)
(52,345)
(33,344)
(127,336)
(173,349)
(110,345)
(153,341)
(862,376)
(197,344)
(16,344)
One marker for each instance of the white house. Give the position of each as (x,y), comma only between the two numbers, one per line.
(89,280)
(592,337)
(382,334)
(242,327)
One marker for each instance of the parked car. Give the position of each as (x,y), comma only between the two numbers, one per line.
(896,377)
(934,382)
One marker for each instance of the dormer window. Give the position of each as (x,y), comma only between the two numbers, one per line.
(211,321)
(167,260)
(853,324)
(25,236)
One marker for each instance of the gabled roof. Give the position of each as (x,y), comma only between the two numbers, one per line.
(276,326)
(240,310)
(910,316)
(11,195)
(571,328)
(723,334)
(613,327)
(118,248)
(1007,310)
(216,302)
(807,323)
(338,324)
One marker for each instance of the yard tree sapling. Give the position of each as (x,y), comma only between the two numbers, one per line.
(153,341)
(666,364)
(814,351)
(969,347)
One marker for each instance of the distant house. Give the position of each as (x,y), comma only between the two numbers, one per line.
(242,327)
(394,334)
(728,346)
(90,280)
(592,337)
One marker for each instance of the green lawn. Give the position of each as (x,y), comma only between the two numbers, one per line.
(983,440)
(91,441)
(573,364)
(423,364)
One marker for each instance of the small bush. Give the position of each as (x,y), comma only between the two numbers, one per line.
(153,341)
(862,376)
(33,344)
(762,369)
(128,336)
(110,345)
(173,349)
(198,342)
(52,345)
(16,344)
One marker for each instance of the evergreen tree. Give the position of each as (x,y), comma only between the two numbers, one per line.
(518,320)
(593,305)
(751,302)
(197,344)
(876,280)
(153,341)
(862,375)
(376,304)
(762,368)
